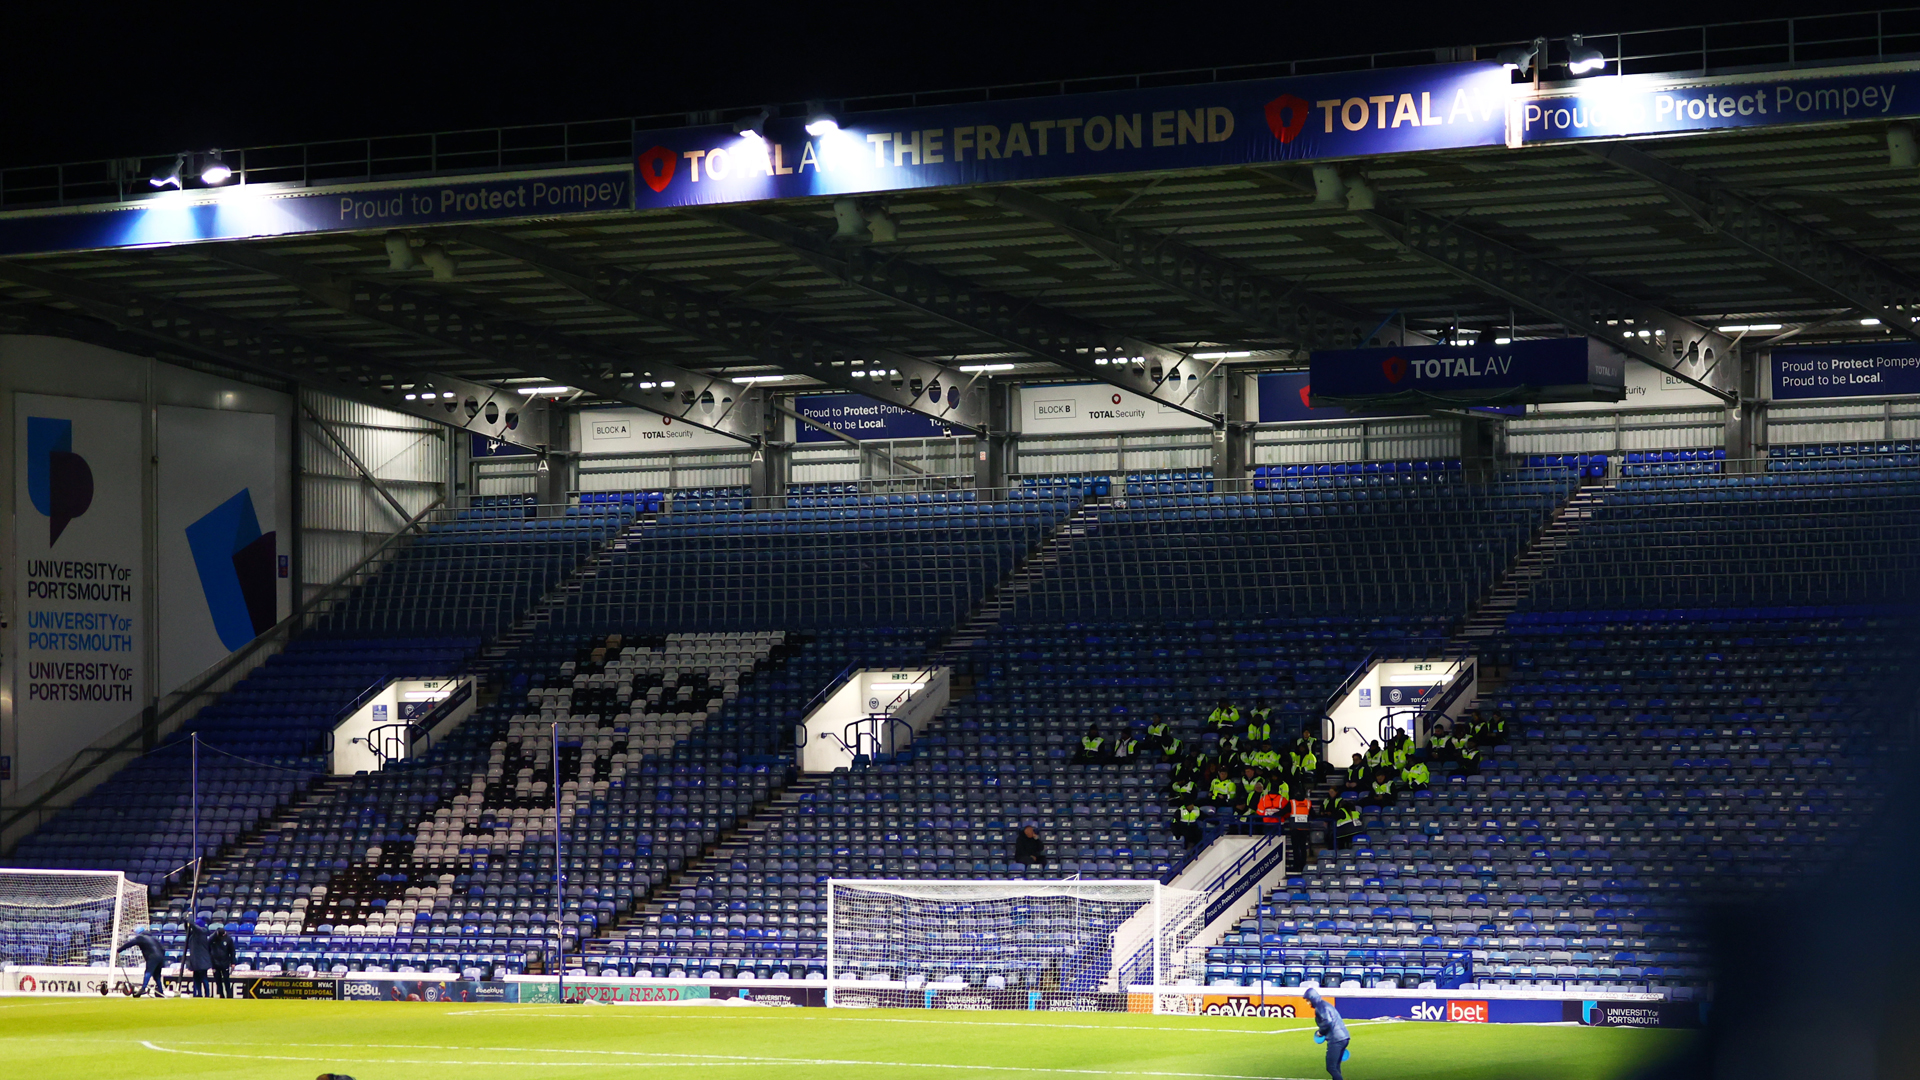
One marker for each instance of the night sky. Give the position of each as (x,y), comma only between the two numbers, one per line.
(83,81)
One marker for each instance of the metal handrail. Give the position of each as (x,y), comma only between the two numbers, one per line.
(1792,42)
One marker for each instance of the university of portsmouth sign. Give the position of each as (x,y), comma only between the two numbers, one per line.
(1552,369)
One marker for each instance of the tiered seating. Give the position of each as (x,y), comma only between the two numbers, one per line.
(448,862)
(1816,529)
(1662,760)
(275,721)
(1400,536)
(950,805)
(54,937)
(918,560)
(476,572)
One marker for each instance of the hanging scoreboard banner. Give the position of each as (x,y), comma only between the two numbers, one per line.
(862,418)
(1552,369)
(1831,371)
(1208,125)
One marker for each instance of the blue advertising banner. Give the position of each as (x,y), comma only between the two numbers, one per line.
(1552,369)
(1345,114)
(1660,105)
(233,213)
(1824,371)
(1286,396)
(863,418)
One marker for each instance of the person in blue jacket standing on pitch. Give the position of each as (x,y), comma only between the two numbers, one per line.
(1332,1030)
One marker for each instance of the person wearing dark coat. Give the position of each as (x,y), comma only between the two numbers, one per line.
(1028,849)
(1329,1028)
(198,959)
(155,958)
(222,951)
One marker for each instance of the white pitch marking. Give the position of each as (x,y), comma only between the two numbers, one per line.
(658,1060)
(855,1019)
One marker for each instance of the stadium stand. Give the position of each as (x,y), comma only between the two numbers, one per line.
(1688,718)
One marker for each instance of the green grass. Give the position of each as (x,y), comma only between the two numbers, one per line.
(83,1039)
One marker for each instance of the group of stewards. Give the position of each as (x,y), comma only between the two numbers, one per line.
(1262,778)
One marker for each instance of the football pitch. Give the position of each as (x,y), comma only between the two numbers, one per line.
(82,1039)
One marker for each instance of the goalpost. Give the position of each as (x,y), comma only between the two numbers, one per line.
(67,918)
(1007,944)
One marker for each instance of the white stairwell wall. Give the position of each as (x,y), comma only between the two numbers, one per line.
(1234,872)
(914,697)
(1357,716)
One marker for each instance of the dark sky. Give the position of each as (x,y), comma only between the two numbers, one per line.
(82,81)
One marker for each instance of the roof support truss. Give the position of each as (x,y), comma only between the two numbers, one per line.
(922,385)
(1286,309)
(1130,363)
(700,400)
(313,362)
(1634,326)
(1803,251)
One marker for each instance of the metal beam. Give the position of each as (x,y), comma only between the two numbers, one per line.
(923,386)
(1135,364)
(360,467)
(1287,309)
(310,361)
(696,399)
(1810,255)
(1570,298)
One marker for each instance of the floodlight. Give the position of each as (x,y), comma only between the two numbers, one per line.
(169,174)
(530,391)
(881,227)
(399,253)
(1582,57)
(848,222)
(819,120)
(442,264)
(214,169)
(1522,57)
(752,128)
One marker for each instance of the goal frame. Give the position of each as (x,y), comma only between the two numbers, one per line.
(1013,887)
(121,884)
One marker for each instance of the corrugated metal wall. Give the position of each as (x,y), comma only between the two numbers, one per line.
(1400,438)
(1617,431)
(1114,455)
(342,517)
(1855,421)
(506,476)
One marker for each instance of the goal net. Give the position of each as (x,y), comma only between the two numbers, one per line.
(67,917)
(1006,944)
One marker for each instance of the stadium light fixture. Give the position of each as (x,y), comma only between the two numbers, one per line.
(881,226)
(1212,356)
(531,391)
(442,264)
(214,169)
(1522,57)
(1503,341)
(1746,328)
(170,174)
(753,128)
(748,380)
(819,120)
(399,253)
(1869,322)
(1582,57)
(973,368)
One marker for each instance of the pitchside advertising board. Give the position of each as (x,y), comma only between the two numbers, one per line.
(1834,371)
(79,578)
(1348,114)
(1551,369)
